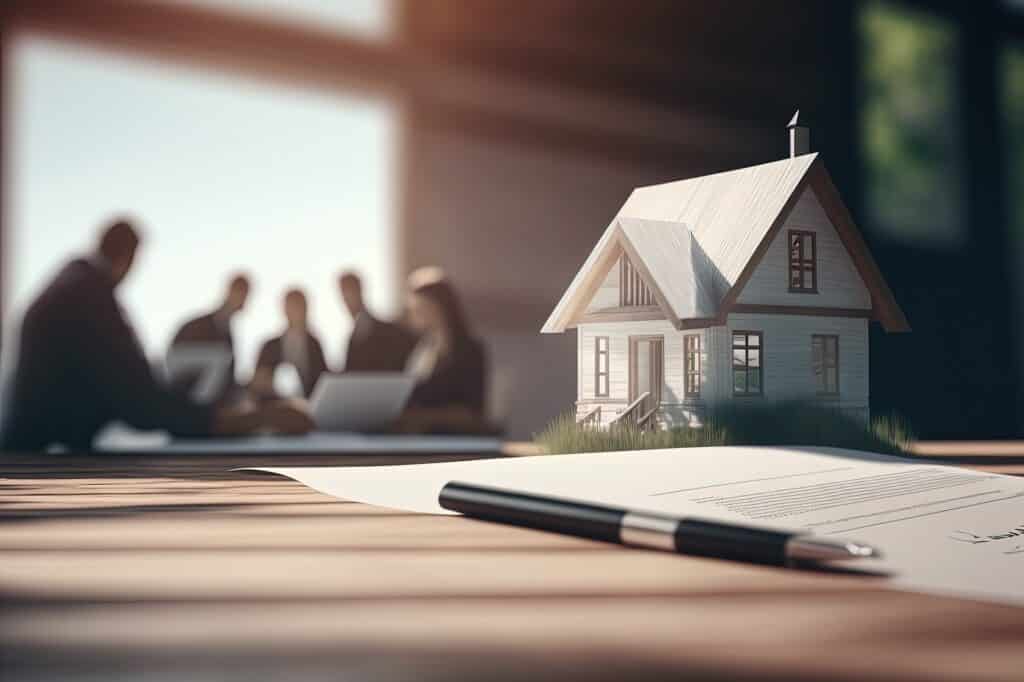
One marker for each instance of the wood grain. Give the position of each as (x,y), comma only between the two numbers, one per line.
(126,567)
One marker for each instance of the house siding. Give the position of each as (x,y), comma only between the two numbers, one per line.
(839,283)
(787,373)
(677,408)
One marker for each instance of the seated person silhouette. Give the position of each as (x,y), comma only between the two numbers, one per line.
(78,366)
(296,346)
(374,345)
(449,362)
(201,334)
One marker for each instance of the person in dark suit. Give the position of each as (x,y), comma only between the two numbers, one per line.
(374,345)
(213,328)
(296,346)
(78,365)
(449,362)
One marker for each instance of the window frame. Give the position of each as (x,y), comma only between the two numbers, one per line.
(598,374)
(825,338)
(802,263)
(692,370)
(746,368)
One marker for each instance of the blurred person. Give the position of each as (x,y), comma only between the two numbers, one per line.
(449,362)
(213,328)
(374,345)
(297,347)
(78,365)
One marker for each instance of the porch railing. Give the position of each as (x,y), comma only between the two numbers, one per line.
(640,413)
(591,419)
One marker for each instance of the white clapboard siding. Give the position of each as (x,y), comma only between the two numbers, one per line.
(618,333)
(788,372)
(839,283)
(787,375)
(718,366)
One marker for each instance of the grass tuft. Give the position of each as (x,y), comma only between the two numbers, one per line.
(781,424)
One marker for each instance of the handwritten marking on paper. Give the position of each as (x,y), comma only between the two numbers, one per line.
(971,538)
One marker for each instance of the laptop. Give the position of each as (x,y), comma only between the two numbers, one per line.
(206,367)
(363,401)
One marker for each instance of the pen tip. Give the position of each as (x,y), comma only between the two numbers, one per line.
(857,549)
(809,548)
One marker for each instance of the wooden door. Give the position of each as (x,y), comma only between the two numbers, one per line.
(646,368)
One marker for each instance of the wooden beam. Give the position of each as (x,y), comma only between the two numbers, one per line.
(622,315)
(462,97)
(701,322)
(245,45)
(887,310)
(590,284)
(815,311)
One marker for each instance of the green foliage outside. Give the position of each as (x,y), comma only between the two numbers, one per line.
(910,124)
(1013,122)
(781,424)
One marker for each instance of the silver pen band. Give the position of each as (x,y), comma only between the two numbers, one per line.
(648,530)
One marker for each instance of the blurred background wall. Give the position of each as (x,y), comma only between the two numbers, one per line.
(522,126)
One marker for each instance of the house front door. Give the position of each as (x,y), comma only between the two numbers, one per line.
(646,368)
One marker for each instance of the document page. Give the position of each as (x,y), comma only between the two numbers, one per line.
(940,529)
(123,439)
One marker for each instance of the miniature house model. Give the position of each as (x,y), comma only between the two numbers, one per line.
(747,285)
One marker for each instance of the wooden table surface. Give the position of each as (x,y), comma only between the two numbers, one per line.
(119,567)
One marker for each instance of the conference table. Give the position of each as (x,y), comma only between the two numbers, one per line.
(127,567)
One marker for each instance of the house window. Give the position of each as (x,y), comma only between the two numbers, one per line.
(633,291)
(601,367)
(825,361)
(803,262)
(691,348)
(747,356)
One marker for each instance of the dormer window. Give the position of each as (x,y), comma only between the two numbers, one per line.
(803,262)
(633,291)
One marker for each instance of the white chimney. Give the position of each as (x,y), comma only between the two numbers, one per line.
(799,137)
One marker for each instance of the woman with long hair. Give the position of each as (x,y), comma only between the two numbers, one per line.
(449,362)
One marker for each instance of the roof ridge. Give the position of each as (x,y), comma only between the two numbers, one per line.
(790,159)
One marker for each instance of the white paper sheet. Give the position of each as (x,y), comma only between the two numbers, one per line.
(313,443)
(941,529)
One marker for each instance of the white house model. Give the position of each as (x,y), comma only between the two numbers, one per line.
(748,285)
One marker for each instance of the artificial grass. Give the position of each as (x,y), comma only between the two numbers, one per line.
(781,424)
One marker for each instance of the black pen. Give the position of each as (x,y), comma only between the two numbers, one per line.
(684,535)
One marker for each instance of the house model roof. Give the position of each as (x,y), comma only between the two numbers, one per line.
(697,241)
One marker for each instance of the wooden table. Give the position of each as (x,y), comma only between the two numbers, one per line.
(112,567)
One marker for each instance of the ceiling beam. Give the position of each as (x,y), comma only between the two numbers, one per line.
(297,55)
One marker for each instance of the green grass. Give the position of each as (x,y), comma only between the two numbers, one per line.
(782,424)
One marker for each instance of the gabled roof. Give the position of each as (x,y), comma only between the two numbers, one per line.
(697,241)
(672,262)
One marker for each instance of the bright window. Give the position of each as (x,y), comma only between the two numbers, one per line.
(362,18)
(825,362)
(221,174)
(803,262)
(691,353)
(601,367)
(747,376)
